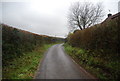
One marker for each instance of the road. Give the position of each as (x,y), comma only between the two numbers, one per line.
(58,65)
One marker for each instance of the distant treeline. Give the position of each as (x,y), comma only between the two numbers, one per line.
(104,37)
(15,42)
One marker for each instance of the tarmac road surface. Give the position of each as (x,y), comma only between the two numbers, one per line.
(56,64)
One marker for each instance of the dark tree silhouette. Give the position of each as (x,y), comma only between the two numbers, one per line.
(83,15)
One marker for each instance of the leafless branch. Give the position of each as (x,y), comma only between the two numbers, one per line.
(85,14)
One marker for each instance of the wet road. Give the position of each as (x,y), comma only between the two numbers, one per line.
(58,65)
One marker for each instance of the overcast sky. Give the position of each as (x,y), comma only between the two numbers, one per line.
(46,17)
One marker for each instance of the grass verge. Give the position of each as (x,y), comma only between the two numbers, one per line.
(25,66)
(103,67)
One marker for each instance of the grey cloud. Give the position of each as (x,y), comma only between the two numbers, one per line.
(53,22)
(16,16)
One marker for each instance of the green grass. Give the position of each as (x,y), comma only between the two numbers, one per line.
(25,66)
(95,63)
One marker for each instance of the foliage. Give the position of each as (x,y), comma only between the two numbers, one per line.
(97,48)
(26,65)
(101,67)
(15,42)
(102,37)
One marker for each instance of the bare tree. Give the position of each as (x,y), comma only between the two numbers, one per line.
(83,15)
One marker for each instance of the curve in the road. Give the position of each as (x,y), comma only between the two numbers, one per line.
(58,65)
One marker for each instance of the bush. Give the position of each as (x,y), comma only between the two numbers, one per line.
(15,42)
(102,36)
(99,66)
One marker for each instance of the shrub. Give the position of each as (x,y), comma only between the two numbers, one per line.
(102,36)
(16,41)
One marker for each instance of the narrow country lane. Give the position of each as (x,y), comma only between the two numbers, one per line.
(58,65)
